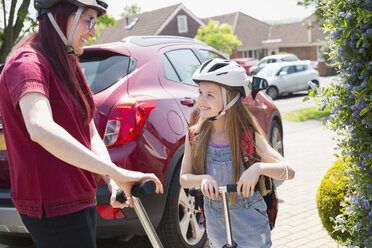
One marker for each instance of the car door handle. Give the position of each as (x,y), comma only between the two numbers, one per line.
(188,102)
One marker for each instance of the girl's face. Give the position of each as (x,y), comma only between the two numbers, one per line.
(210,100)
(84,29)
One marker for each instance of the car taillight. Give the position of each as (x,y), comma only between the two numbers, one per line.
(107,212)
(127,118)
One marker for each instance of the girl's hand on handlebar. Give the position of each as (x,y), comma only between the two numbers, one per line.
(209,187)
(248,180)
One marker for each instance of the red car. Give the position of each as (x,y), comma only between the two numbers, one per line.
(144,96)
(247,63)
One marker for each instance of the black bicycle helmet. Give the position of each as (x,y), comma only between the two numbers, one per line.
(44,6)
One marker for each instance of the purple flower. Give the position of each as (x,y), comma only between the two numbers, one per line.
(365,204)
(342,14)
(369,31)
(311,84)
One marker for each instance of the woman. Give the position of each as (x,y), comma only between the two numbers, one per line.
(53,146)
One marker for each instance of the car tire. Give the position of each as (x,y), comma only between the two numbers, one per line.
(181,225)
(276,138)
(272,92)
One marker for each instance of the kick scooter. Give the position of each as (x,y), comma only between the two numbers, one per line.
(147,187)
(196,191)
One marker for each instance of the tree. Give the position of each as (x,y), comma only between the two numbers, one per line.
(348,24)
(130,10)
(13,25)
(101,24)
(219,36)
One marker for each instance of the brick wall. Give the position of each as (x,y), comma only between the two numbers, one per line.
(303,53)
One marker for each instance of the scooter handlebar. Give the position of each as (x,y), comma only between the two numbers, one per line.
(196,191)
(147,187)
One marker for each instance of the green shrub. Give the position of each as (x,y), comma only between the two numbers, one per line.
(330,194)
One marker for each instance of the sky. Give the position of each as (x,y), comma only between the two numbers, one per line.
(264,10)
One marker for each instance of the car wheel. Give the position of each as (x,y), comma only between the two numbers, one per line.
(182,225)
(276,138)
(272,92)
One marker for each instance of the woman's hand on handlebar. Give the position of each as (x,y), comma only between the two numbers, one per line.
(248,180)
(114,188)
(209,187)
(129,178)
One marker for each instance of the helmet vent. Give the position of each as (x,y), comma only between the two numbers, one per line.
(222,73)
(205,64)
(217,66)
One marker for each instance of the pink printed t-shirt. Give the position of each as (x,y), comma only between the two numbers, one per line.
(39,179)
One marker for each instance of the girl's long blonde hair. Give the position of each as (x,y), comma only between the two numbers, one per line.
(238,120)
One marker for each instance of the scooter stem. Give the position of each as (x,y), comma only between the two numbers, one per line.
(146,223)
(226,213)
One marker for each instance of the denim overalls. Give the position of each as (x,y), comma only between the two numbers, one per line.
(249,221)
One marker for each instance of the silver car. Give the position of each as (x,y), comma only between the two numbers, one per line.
(277,58)
(288,77)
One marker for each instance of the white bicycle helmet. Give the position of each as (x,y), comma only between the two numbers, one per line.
(227,74)
(45,7)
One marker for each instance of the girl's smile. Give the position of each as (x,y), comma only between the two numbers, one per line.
(210,100)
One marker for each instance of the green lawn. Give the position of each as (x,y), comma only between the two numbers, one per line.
(306,114)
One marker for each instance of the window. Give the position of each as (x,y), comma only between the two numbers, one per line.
(169,72)
(290,58)
(288,69)
(182,24)
(207,55)
(102,71)
(185,63)
(300,68)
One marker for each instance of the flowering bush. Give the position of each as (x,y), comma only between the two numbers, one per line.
(348,24)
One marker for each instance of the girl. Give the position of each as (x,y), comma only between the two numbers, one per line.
(214,157)
(53,146)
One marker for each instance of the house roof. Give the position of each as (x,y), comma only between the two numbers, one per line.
(256,34)
(147,23)
(250,31)
(295,34)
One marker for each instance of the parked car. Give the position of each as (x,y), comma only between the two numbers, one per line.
(144,95)
(288,77)
(247,63)
(272,59)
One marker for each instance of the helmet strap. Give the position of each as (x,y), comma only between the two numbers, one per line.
(68,41)
(225,106)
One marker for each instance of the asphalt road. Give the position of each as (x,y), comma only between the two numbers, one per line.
(285,104)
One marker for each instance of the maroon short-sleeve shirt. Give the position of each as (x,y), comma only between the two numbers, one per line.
(39,179)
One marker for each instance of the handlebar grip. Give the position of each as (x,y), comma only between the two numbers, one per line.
(147,187)
(196,191)
(231,187)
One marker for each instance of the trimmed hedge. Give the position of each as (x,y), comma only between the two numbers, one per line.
(331,193)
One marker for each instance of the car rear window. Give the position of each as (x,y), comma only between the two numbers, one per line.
(103,70)
(290,58)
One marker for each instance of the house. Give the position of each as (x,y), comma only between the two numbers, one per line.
(261,39)
(173,20)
